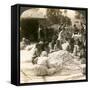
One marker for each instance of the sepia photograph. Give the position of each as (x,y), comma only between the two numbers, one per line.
(53,44)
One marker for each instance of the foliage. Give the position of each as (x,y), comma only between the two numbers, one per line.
(55,16)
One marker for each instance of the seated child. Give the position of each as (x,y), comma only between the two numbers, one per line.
(41,67)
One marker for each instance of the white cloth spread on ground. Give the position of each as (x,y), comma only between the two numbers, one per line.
(61,62)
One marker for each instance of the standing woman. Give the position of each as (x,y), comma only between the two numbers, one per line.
(60,38)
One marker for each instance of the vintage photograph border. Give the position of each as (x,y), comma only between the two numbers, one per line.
(18,42)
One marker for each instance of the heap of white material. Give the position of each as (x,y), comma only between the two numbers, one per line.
(59,60)
(68,68)
(64,60)
(27,53)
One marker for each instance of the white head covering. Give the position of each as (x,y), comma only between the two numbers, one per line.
(44,53)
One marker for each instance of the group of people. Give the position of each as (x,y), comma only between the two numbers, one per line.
(66,38)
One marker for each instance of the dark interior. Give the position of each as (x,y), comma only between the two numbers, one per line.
(29,29)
